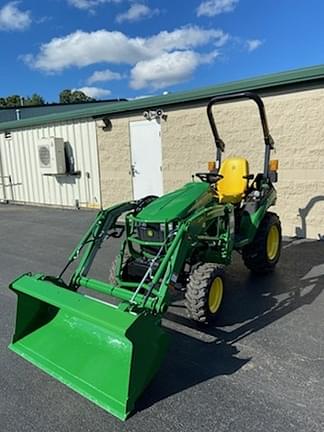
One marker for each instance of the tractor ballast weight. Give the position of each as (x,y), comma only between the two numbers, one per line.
(109,353)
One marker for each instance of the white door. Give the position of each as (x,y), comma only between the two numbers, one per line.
(145,138)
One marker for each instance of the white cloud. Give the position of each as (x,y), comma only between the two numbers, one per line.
(136,12)
(103,76)
(186,38)
(82,48)
(12,18)
(253,44)
(90,5)
(168,69)
(94,92)
(211,8)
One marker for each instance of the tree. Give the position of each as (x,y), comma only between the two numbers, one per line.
(13,101)
(79,96)
(66,96)
(69,96)
(35,99)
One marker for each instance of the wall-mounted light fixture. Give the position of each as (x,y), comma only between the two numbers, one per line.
(105,123)
(157,114)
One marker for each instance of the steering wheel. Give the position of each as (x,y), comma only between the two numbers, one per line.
(209,177)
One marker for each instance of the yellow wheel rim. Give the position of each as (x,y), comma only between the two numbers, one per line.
(215,295)
(273,242)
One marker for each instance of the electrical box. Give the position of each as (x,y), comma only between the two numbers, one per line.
(51,155)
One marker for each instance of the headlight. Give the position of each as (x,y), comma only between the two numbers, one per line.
(150,232)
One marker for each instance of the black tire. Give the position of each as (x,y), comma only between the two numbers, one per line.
(198,292)
(256,256)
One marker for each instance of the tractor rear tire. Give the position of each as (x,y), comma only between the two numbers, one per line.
(262,255)
(205,291)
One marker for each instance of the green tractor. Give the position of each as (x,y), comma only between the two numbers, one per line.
(183,240)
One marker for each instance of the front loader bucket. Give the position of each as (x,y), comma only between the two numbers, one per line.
(103,353)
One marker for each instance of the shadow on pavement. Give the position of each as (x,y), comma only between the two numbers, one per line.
(198,354)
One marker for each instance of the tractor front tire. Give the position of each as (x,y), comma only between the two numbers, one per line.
(262,255)
(112,270)
(205,291)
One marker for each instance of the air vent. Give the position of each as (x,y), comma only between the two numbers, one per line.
(51,155)
(44,156)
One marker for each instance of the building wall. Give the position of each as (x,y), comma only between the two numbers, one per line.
(295,121)
(19,160)
(115,161)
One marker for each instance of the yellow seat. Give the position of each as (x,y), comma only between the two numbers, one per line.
(232,187)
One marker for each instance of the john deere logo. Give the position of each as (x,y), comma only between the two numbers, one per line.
(150,233)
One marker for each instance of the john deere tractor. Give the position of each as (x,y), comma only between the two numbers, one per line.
(184,239)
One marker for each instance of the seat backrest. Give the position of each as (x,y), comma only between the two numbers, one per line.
(232,186)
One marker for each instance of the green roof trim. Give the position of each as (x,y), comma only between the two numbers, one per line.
(310,75)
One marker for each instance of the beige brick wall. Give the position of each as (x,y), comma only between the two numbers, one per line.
(114,162)
(296,123)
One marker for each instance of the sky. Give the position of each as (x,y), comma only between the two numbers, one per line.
(133,48)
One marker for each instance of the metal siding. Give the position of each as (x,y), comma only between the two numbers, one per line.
(20,161)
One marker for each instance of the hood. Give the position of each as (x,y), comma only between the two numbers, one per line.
(177,204)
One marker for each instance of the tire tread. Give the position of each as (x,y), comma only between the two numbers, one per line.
(196,297)
(254,255)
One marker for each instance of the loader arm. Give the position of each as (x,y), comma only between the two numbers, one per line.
(92,240)
(151,293)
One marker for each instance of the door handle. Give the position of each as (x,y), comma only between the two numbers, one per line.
(134,171)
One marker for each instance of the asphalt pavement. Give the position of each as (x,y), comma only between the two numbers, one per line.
(259,369)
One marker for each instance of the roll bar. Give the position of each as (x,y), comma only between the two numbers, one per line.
(220,145)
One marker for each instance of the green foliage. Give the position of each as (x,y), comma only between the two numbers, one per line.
(12,101)
(66,96)
(35,99)
(69,96)
(17,101)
